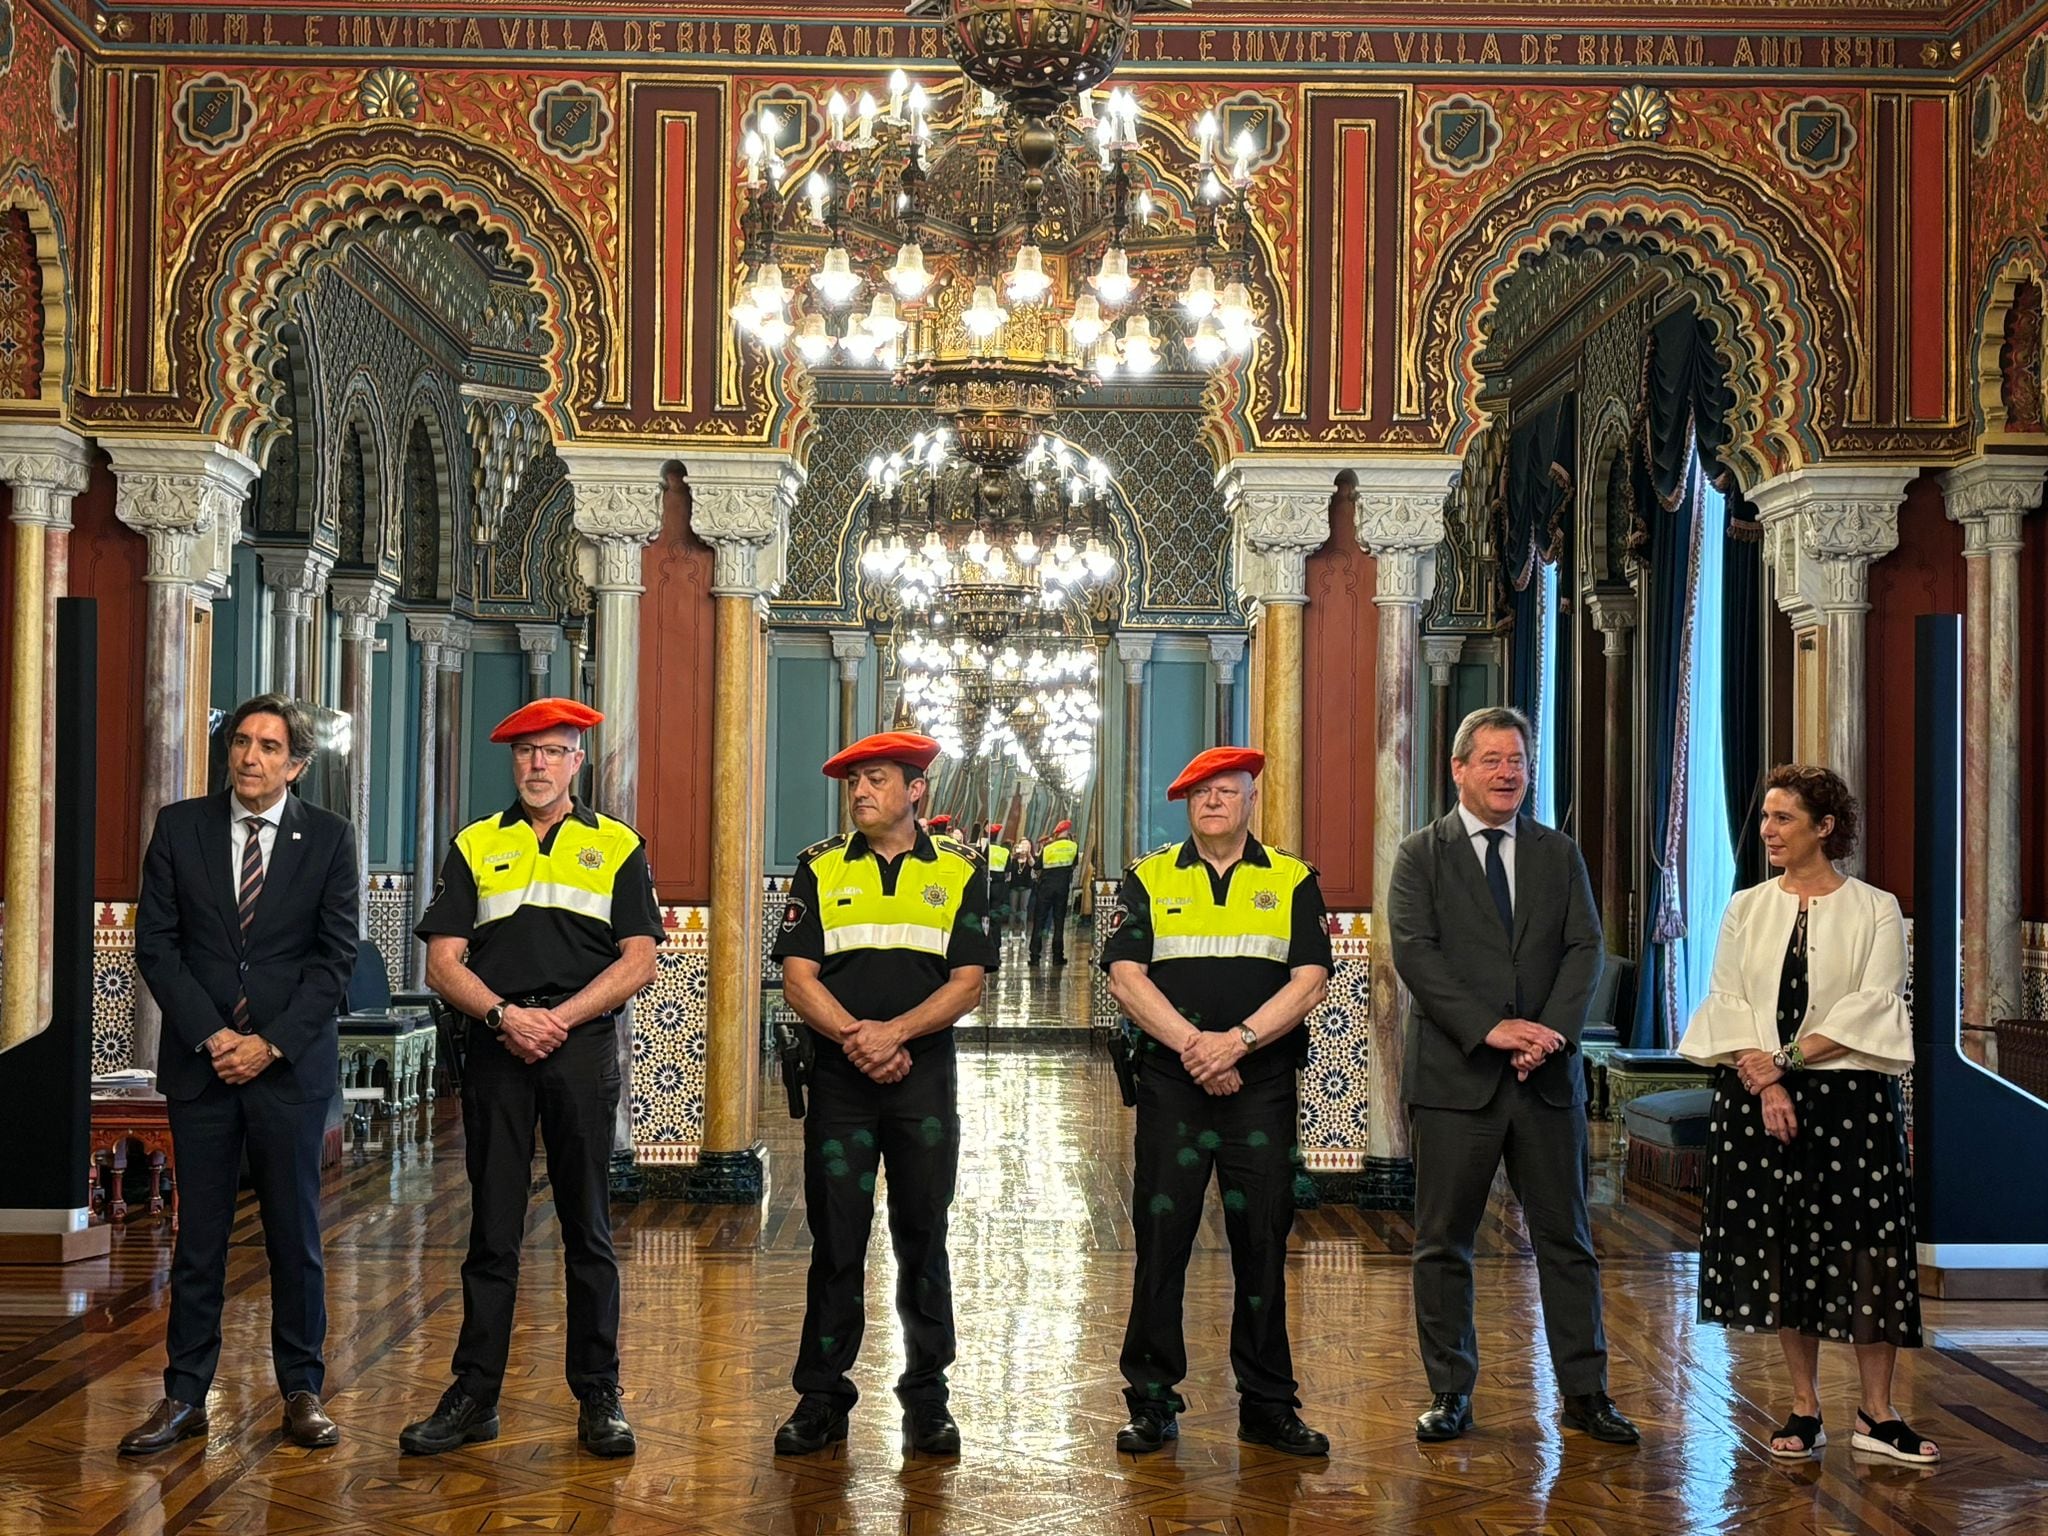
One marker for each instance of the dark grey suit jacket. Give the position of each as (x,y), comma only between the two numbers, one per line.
(1454,957)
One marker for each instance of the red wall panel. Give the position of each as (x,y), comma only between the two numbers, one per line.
(676,688)
(1340,715)
(1923,575)
(1927,280)
(108,563)
(2034,719)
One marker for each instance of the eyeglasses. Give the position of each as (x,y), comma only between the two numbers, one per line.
(1492,764)
(548,752)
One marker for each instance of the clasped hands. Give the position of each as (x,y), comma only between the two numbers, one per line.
(1762,1076)
(238,1058)
(876,1047)
(532,1033)
(1527,1043)
(1211,1057)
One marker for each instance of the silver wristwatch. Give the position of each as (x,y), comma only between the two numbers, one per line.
(1249,1036)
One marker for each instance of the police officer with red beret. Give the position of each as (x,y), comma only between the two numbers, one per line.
(883,948)
(1218,950)
(543,926)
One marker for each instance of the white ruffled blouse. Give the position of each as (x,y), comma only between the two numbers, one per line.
(1855,979)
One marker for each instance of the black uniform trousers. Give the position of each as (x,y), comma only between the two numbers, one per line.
(1249,1138)
(998,910)
(1457,1152)
(854,1128)
(1049,912)
(282,1138)
(573,1093)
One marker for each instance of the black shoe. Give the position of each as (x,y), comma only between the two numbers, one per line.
(1282,1430)
(1448,1416)
(169,1422)
(929,1430)
(1595,1413)
(458,1420)
(601,1426)
(815,1425)
(1151,1426)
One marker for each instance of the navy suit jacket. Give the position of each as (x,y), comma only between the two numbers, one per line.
(295,965)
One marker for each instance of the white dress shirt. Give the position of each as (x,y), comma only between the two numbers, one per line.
(238,836)
(1474,827)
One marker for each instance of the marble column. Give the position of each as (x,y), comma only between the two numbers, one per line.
(1823,526)
(1614,616)
(1399,522)
(184,496)
(1440,653)
(577,632)
(1226,654)
(539,642)
(46,467)
(849,646)
(1134,650)
(1990,496)
(430,633)
(739,505)
(450,715)
(361,598)
(293,575)
(1281,506)
(618,514)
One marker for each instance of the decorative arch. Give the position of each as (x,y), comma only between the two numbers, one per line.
(24,189)
(1605,456)
(426,551)
(1793,357)
(300,200)
(359,422)
(431,412)
(2023,260)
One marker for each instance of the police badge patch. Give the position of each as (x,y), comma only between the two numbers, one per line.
(935,895)
(1117,915)
(792,914)
(1265,901)
(590,858)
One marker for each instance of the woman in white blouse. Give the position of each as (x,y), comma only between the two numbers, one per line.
(1807,1225)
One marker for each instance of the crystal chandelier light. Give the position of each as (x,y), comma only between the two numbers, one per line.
(1034,707)
(1022,191)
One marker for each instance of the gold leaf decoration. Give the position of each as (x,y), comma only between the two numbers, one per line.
(389,92)
(1641,112)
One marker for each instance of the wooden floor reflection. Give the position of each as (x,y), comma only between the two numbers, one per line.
(1041,1265)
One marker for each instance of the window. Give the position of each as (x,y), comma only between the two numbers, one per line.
(1709,868)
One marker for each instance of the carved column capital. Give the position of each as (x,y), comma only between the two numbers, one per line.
(1135,647)
(1823,526)
(437,634)
(1280,508)
(1615,615)
(361,599)
(849,649)
(184,495)
(1398,518)
(538,640)
(1227,652)
(1990,496)
(47,466)
(1441,653)
(740,505)
(295,572)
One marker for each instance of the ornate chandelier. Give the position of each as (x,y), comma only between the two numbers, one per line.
(999,551)
(1034,707)
(943,234)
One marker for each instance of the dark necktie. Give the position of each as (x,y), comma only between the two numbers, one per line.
(1497,878)
(251,888)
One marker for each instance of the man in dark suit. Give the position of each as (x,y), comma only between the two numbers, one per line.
(245,934)
(1496,937)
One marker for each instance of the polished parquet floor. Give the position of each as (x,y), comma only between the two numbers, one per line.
(1041,1270)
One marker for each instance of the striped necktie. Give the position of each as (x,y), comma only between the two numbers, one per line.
(251,888)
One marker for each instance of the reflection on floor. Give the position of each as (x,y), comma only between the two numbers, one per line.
(1043,1003)
(1041,1268)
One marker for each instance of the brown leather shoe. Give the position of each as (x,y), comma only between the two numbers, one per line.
(169,1422)
(306,1422)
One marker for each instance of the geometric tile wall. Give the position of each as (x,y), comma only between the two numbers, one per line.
(669,1042)
(387,903)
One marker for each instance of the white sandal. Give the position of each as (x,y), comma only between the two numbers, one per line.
(1893,1438)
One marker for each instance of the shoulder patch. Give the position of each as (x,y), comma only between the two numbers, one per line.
(953,844)
(1146,858)
(1282,853)
(825,845)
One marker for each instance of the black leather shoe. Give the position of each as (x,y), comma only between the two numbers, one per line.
(1595,1413)
(815,1425)
(306,1422)
(601,1426)
(1282,1430)
(458,1420)
(929,1430)
(169,1422)
(1151,1426)
(1448,1416)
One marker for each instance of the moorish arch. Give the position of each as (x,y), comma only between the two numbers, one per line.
(360,484)
(304,198)
(23,191)
(2024,260)
(1788,338)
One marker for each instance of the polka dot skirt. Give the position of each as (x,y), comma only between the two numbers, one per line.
(1816,1235)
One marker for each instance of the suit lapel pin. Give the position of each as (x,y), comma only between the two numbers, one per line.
(295,837)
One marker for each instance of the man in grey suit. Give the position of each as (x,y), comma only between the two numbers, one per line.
(1496,938)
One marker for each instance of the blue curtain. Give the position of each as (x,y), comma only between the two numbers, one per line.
(1744,656)
(1532,532)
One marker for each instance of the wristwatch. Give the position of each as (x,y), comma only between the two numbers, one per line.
(494,1018)
(1249,1036)
(1789,1058)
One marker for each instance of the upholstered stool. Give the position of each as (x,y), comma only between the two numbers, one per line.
(1667,1137)
(1633,1073)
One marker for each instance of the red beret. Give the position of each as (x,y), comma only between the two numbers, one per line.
(995,829)
(1065,826)
(545,715)
(940,822)
(1212,762)
(888,747)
